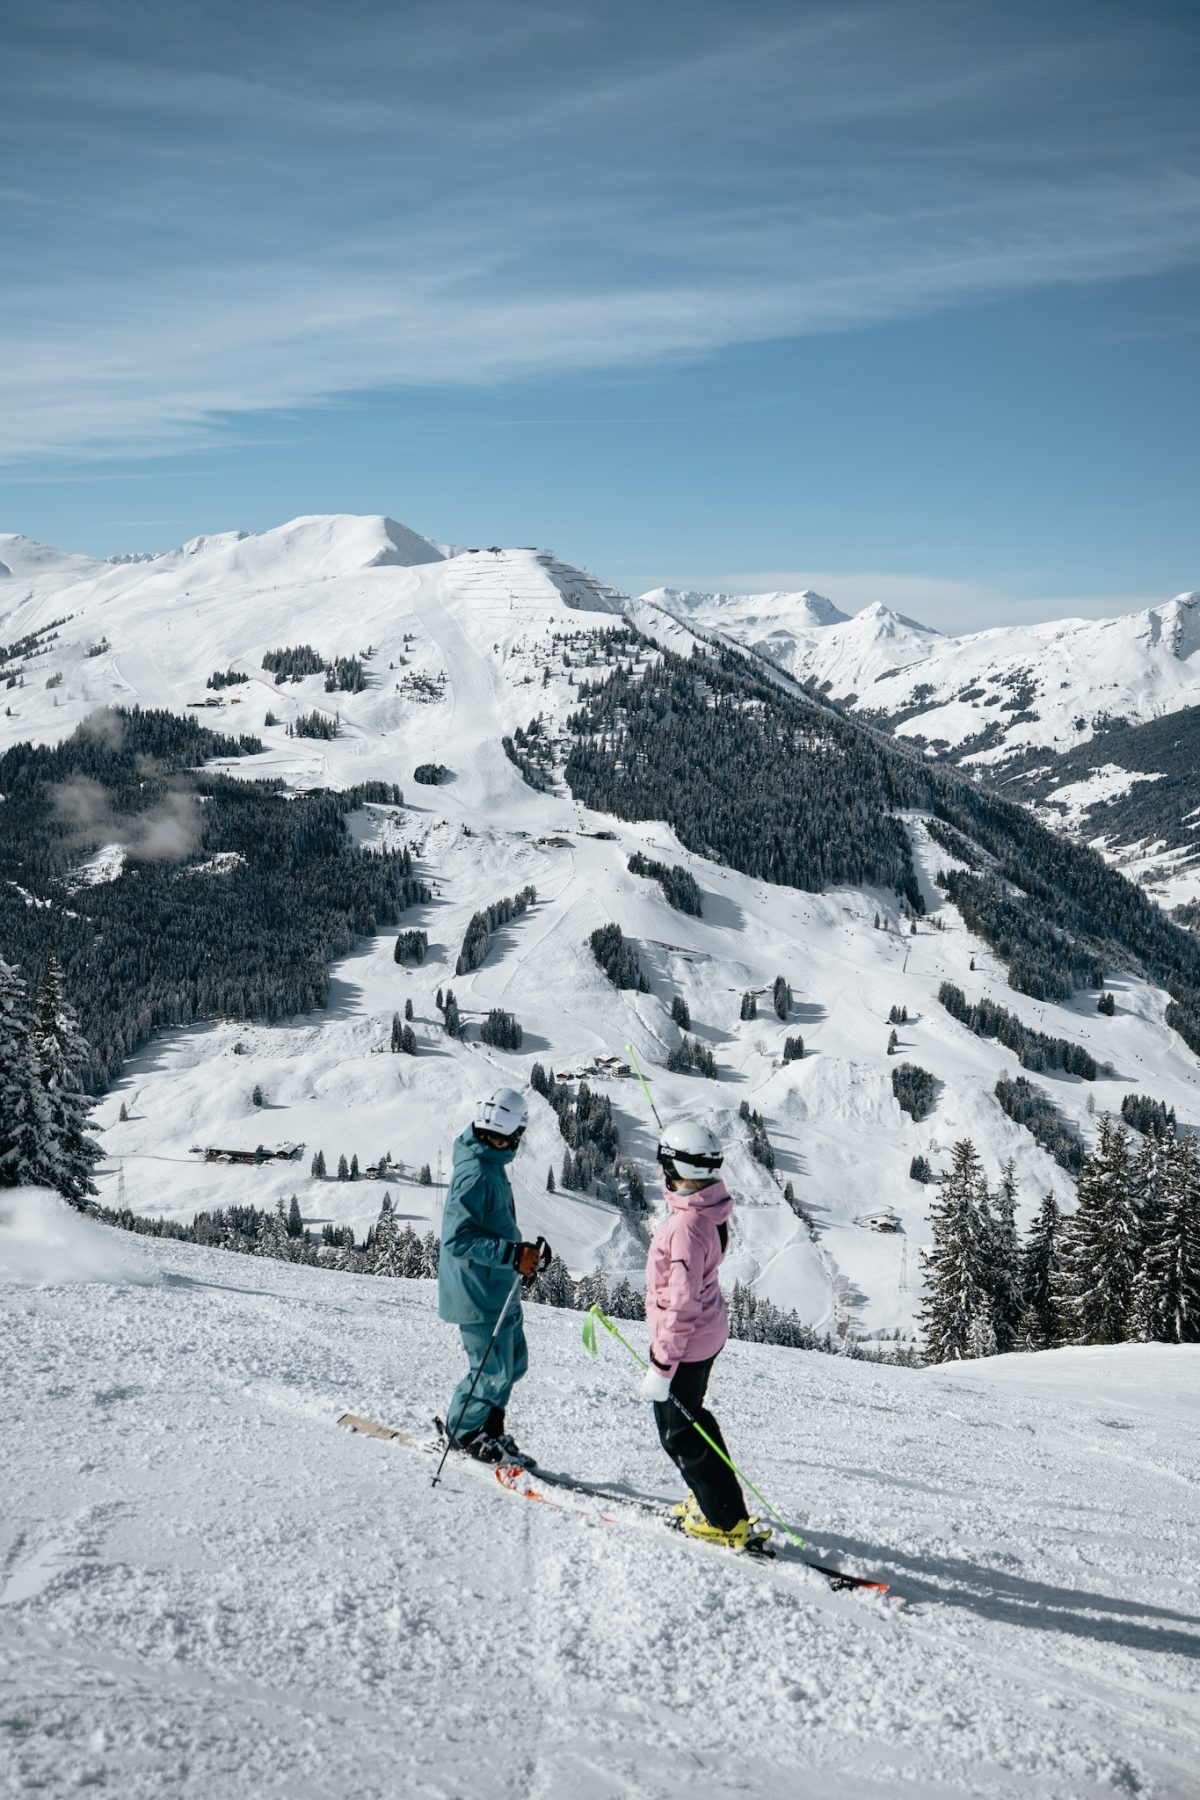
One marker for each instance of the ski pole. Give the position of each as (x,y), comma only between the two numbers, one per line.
(597,1312)
(649,1102)
(462,1411)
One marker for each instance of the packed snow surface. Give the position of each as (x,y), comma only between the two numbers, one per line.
(209,1591)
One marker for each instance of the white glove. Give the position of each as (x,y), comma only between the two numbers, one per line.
(656,1384)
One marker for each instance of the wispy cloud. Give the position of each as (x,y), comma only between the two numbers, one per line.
(471,193)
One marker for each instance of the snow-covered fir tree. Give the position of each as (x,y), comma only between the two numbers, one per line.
(61,1052)
(956,1308)
(1004,1260)
(43,1108)
(385,1248)
(1153,1168)
(1172,1261)
(24,1109)
(1039,1278)
(1099,1245)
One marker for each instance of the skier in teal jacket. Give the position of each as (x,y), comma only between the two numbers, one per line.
(483,1260)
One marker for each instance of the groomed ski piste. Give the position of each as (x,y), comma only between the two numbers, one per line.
(210,1592)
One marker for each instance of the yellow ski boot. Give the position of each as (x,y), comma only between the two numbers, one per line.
(748,1534)
(687,1508)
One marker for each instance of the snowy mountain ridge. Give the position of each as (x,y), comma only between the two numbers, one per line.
(983,697)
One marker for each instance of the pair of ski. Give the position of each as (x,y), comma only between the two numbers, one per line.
(588,1499)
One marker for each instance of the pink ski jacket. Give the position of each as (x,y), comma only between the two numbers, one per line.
(685,1307)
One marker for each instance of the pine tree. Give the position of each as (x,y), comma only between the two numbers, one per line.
(1155,1167)
(1174,1259)
(568,1170)
(426,1176)
(1099,1244)
(385,1248)
(343,1173)
(749,1007)
(1039,1277)
(354,1167)
(123,1115)
(551,1185)
(1004,1256)
(256,1095)
(408,1010)
(408,1041)
(24,1108)
(397,1034)
(781,997)
(956,1306)
(893,1043)
(317,1166)
(680,1013)
(295,1222)
(60,1053)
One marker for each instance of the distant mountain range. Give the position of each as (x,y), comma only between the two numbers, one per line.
(983,698)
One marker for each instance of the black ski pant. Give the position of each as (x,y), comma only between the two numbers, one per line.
(712,1481)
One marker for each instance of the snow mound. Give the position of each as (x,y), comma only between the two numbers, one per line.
(44,1242)
(1146,1378)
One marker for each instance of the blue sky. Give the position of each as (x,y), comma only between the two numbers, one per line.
(901,300)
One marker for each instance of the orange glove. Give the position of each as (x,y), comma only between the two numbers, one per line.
(529,1258)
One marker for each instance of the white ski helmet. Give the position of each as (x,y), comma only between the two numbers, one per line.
(689,1148)
(503,1112)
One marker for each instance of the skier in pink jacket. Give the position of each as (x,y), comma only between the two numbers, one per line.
(689,1325)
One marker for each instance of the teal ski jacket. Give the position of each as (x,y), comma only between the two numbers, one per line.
(479,1235)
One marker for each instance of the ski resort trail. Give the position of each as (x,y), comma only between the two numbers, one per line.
(207,1589)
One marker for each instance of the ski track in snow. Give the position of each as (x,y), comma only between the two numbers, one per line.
(208,1590)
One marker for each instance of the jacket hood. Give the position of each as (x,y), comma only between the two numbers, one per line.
(714,1201)
(467,1148)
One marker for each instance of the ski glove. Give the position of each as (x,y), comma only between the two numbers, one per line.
(656,1382)
(529,1258)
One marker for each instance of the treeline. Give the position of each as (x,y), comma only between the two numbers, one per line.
(1043,962)
(745,773)
(618,958)
(395,1252)
(479,931)
(677,883)
(168,940)
(529,750)
(587,1127)
(344,674)
(1124,1266)
(223,678)
(1027,1105)
(914,1088)
(1034,1049)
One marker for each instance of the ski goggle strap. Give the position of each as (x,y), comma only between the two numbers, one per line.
(667,1159)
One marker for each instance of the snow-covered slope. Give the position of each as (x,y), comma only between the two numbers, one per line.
(464,650)
(209,1591)
(982,697)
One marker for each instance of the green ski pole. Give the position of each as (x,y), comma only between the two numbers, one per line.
(649,1102)
(596,1313)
